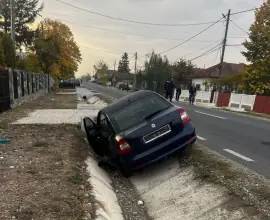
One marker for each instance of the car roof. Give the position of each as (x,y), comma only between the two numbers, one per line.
(127,100)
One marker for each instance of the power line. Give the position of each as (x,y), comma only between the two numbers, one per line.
(202,48)
(204,54)
(128,33)
(102,50)
(197,50)
(234,45)
(240,12)
(239,27)
(248,10)
(131,21)
(191,37)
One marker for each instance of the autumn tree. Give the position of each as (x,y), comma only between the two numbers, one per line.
(257,74)
(26,12)
(56,49)
(123,65)
(32,63)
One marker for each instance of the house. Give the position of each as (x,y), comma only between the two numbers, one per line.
(104,73)
(201,77)
(122,77)
(115,77)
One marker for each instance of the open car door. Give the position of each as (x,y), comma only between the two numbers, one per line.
(93,135)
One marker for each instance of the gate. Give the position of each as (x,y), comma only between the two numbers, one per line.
(4,91)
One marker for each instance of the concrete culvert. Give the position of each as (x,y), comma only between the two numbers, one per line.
(84,97)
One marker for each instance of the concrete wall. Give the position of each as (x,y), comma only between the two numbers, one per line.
(201,81)
(30,86)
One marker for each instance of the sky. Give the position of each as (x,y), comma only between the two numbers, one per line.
(98,44)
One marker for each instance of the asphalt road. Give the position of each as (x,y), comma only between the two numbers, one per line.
(242,138)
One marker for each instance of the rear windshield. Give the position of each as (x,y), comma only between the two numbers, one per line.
(136,112)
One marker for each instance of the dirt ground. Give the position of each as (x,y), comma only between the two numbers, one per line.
(51,101)
(42,169)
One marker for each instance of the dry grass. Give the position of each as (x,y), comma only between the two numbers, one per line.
(246,189)
(43,173)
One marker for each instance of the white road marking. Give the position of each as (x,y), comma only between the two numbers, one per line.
(238,155)
(210,115)
(201,138)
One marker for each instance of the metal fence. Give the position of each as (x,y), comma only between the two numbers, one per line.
(4,91)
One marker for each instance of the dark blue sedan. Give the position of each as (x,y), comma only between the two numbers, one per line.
(139,129)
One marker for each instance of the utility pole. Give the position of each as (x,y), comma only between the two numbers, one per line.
(113,78)
(136,57)
(12,13)
(224,42)
(114,65)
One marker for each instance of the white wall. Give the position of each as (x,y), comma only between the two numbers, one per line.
(200,81)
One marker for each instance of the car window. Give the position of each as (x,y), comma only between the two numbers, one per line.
(136,112)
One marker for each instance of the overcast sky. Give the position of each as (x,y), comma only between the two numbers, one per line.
(95,43)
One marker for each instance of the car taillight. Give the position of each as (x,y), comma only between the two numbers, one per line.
(123,146)
(184,116)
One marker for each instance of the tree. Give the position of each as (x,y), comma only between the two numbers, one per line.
(157,71)
(123,65)
(32,63)
(182,69)
(257,74)
(26,12)
(100,69)
(47,51)
(120,66)
(56,49)
(9,50)
(2,55)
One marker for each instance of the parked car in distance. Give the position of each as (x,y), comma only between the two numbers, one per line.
(139,129)
(124,87)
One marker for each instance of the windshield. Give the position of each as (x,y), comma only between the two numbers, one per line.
(139,111)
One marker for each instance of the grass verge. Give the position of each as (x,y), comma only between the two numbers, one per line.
(248,187)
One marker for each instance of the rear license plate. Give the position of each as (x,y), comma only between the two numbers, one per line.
(157,134)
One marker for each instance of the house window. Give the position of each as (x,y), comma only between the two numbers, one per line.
(198,87)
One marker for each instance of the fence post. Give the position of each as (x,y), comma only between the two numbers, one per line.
(241,101)
(11,89)
(216,98)
(30,83)
(34,82)
(253,102)
(19,82)
(25,83)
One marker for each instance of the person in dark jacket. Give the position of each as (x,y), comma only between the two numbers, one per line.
(178,93)
(169,89)
(192,94)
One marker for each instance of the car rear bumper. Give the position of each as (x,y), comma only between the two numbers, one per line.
(183,140)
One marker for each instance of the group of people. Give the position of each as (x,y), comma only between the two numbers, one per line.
(170,87)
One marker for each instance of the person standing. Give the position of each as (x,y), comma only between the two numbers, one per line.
(169,89)
(178,93)
(192,94)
